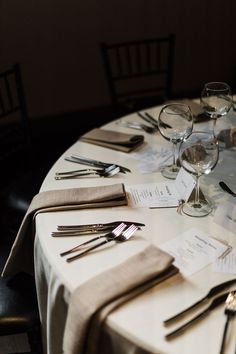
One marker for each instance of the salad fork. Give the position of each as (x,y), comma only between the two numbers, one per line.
(120,236)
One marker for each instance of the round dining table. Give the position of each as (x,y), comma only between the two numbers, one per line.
(136,326)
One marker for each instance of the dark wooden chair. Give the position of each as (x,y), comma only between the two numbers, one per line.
(139,73)
(20,177)
(19,310)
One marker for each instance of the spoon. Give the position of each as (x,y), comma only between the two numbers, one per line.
(226,188)
(105,172)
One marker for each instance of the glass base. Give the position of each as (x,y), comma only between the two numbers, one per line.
(170,171)
(203,208)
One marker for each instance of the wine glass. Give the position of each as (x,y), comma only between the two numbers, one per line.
(175,123)
(216,100)
(198,155)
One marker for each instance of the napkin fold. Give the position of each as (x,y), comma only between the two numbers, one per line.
(198,113)
(91,302)
(113,140)
(21,256)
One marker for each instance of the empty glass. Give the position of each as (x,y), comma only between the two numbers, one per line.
(175,123)
(216,100)
(198,155)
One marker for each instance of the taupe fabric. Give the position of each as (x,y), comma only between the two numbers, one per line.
(21,255)
(113,140)
(94,300)
(198,113)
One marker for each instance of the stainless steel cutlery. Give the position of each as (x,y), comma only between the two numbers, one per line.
(212,292)
(89,229)
(108,171)
(94,163)
(120,234)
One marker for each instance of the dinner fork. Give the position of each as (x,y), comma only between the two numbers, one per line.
(120,237)
(230,311)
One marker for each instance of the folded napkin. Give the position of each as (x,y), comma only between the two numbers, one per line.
(21,255)
(113,140)
(198,113)
(91,302)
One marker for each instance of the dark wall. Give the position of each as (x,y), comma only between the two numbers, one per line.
(57,44)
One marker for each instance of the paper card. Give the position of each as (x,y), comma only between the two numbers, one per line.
(226,264)
(225,215)
(193,250)
(163,194)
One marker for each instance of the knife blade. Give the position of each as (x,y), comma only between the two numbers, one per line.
(212,292)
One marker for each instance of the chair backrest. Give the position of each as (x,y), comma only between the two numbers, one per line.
(14,122)
(139,71)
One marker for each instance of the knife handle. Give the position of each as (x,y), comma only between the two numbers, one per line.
(166,322)
(70,259)
(74,249)
(187,324)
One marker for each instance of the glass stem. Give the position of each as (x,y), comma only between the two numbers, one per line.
(196,197)
(214,126)
(174,167)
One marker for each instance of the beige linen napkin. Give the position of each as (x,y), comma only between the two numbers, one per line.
(91,302)
(113,140)
(198,113)
(21,255)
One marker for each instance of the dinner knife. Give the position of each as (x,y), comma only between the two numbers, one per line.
(91,162)
(216,302)
(77,230)
(212,292)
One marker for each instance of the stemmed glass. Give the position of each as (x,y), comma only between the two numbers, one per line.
(198,155)
(216,100)
(175,123)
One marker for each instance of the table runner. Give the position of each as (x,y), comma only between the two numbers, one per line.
(21,256)
(91,302)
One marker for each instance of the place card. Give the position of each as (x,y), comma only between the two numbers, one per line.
(226,264)
(162,194)
(225,215)
(193,250)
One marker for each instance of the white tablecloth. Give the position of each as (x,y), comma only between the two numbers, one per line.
(136,327)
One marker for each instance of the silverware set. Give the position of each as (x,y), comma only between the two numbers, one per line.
(122,232)
(109,171)
(100,169)
(216,301)
(90,229)
(93,163)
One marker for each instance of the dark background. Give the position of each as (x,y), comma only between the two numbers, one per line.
(57,44)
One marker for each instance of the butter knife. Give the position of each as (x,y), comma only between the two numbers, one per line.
(212,292)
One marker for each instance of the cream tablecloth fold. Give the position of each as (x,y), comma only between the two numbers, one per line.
(113,140)
(21,255)
(91,302)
